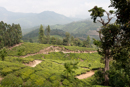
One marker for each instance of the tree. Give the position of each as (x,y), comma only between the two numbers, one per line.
(103,43)
(66,39)
(53,40)
(1,42)
(72,40)
(41,34)
(87,42)
(77,42)
(48,34)
(121,54)
(58,41)
(3,53)
(30,40)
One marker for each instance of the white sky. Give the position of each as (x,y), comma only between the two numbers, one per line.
(69,8)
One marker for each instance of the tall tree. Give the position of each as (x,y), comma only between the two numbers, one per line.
(41,34)
(66,39)
(48,34)
(103,43)
(121,54)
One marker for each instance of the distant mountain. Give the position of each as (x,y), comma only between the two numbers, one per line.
(28,20)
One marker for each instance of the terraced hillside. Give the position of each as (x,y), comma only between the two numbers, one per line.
(44,66)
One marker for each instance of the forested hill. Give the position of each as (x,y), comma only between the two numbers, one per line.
(28,20)
(35,33)
(80,29)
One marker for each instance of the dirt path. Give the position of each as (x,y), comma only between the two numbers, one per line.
(33,63)
(56,49)
(15,46)
(86,75)
(0,79)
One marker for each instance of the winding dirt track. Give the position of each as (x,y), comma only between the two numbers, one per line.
(86,75)
(56,49)
(15,46)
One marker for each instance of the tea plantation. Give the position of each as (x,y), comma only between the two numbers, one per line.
(51,72)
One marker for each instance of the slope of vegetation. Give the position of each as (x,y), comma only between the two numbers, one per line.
(50,72)
(28,48)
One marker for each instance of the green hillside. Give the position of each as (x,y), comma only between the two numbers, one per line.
(81,27)
(50,72)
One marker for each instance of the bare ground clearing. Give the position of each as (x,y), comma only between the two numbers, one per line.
(86,75)
(0,79)
(33,63)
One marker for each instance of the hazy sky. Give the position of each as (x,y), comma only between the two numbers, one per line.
(70,8)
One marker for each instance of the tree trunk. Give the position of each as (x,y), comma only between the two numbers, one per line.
(106,68)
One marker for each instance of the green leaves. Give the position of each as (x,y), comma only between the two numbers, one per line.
(96,12)
(111,11)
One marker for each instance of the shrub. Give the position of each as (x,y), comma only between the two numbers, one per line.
(53,78)
(56,84)
(47,84)
(28,83)
(66,82)
(11,80)
(6,71)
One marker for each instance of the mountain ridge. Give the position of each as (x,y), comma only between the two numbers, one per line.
(28,20)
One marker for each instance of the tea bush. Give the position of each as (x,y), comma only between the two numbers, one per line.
(11,80)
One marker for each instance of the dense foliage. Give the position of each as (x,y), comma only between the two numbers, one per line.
(9,34)
(115,40)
